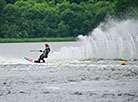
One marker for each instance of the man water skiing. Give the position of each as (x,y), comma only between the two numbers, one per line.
(44,54)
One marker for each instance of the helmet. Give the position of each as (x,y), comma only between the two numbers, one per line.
(46,45)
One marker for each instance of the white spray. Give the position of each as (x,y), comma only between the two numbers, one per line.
(113,40)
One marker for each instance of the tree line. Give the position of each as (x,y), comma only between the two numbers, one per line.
(58,18)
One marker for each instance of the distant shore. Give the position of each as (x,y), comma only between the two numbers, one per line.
(12,40)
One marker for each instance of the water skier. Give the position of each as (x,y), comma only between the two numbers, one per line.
(44,54)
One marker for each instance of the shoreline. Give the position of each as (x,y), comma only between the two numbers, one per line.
(15,40)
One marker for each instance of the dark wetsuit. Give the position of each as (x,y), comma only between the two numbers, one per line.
(43,55)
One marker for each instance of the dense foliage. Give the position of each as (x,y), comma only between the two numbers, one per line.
(58,18)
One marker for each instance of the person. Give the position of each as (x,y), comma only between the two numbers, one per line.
(44,54)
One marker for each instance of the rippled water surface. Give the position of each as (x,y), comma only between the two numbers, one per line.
(85,80)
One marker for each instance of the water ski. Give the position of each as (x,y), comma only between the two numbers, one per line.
(31,60)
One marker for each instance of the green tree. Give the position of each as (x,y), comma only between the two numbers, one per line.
(51,20)
(123,7)
(2,4)
(11,1)
(10,31)
(11,13)
(92,1)
(58,18)
(77,1)
(62,29)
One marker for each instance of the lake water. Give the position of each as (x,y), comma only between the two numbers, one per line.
(83,80)
(88,70)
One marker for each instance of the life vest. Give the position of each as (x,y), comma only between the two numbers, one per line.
(45,52)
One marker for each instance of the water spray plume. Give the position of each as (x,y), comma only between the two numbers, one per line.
(111,40)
